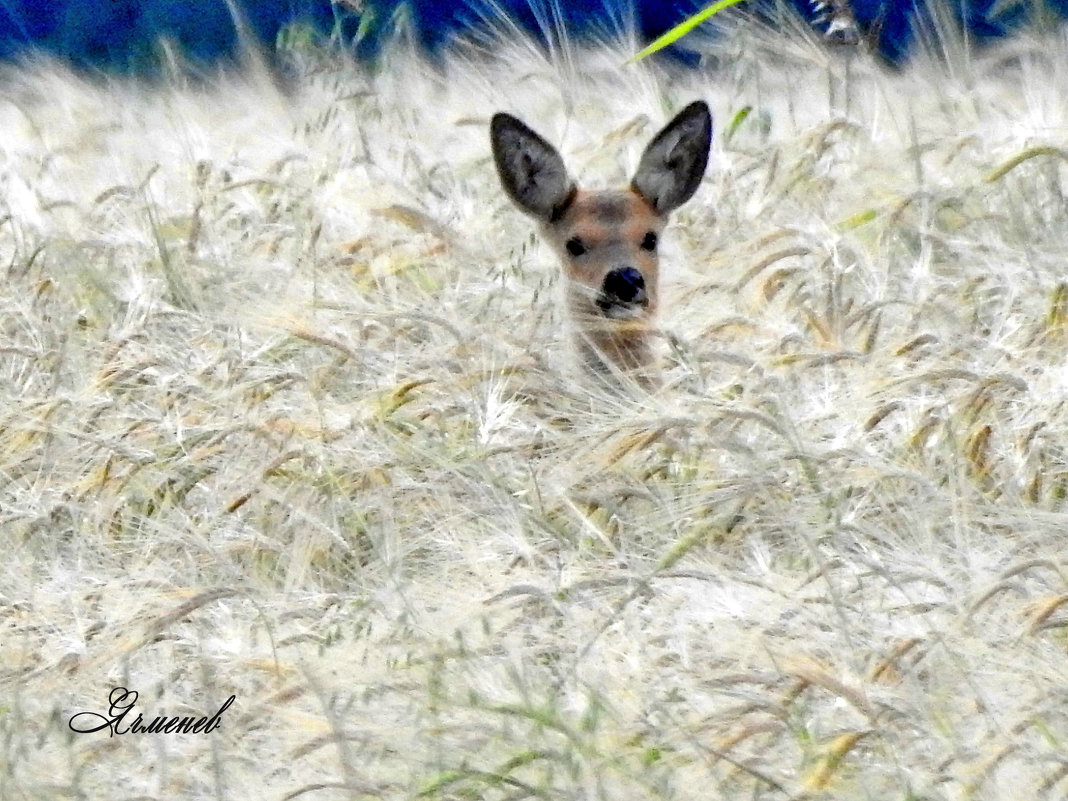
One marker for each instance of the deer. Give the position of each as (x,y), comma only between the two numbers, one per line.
(607,241)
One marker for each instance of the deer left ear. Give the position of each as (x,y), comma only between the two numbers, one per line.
(674,162)
(530,169)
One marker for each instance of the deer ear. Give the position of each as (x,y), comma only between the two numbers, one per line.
(674,162)
(530,169)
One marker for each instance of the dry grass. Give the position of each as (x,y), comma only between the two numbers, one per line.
(288,414)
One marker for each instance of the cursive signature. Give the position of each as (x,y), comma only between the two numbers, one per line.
(121,701)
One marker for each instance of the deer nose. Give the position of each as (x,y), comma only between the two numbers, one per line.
(625,285)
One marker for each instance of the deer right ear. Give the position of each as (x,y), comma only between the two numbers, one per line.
(530,169)
(674,163)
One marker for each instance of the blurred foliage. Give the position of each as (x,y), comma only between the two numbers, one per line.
(126,35)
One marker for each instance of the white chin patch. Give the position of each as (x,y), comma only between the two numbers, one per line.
(621,311)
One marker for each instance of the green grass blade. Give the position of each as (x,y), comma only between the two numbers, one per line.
(736,122)
(683,28)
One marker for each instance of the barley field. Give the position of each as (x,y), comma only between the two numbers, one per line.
(288,414)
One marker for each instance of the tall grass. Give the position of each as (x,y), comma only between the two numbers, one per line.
(288,414)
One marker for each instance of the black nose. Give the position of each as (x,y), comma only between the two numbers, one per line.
(625,285)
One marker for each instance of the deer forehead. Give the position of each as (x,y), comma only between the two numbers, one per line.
(609,215)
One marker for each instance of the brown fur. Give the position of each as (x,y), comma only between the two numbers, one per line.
(614,317)
(611,225)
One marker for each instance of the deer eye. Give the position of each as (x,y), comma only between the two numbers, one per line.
(649,243)
(575,247)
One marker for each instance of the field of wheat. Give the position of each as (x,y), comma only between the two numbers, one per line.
(288,414)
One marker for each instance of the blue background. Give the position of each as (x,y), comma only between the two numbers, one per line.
(123,34)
